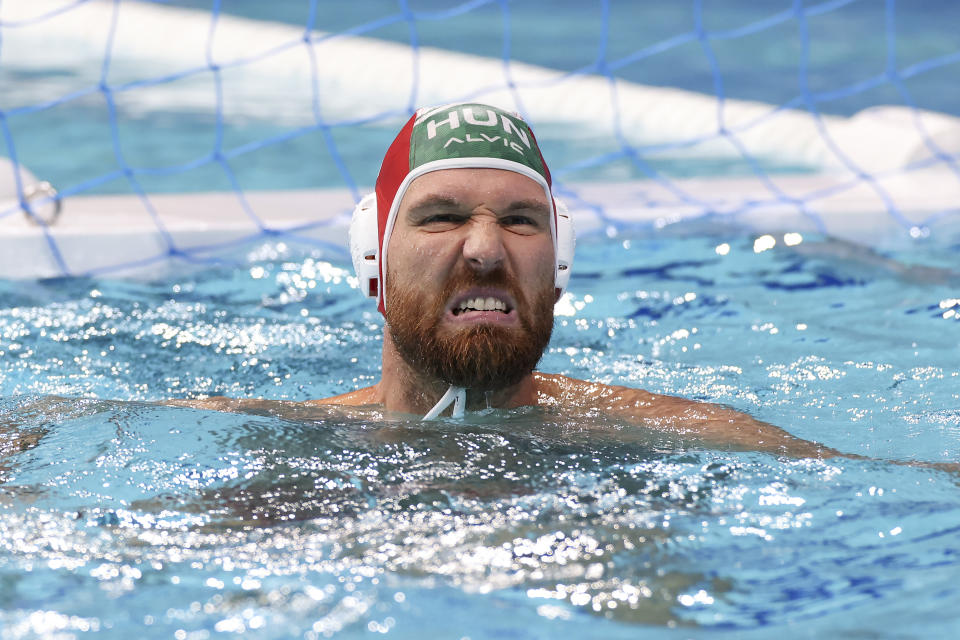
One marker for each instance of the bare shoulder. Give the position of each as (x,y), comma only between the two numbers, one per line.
(284,408)
(564,391)
(365,396)
(222,403)
(706,422)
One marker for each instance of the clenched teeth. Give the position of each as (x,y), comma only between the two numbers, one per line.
(481,304)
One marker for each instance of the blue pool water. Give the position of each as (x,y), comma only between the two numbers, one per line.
(126,518)
(121,517)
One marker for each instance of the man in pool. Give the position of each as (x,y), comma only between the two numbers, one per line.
(466,252)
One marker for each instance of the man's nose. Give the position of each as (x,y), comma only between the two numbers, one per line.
(483,247)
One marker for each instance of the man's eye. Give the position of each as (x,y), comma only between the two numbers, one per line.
(442,219)
(519,221)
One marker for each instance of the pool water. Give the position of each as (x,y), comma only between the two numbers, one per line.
(121,517)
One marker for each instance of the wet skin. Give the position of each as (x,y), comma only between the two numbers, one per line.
(481,219)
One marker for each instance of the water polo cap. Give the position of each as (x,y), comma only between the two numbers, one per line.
(453,136)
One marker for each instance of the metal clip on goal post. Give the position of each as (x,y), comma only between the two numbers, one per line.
(43,193)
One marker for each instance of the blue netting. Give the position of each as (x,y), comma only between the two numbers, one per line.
(109,98)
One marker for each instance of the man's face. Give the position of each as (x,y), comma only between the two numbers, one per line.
(470,277)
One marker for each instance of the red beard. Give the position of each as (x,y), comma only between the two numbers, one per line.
(484,357)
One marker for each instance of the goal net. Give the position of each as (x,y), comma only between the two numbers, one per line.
(136,132)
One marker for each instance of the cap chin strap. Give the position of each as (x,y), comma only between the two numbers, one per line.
(455,395)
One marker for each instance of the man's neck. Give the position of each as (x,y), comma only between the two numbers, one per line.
(406,390)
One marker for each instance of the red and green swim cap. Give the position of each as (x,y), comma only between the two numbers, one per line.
(455,136)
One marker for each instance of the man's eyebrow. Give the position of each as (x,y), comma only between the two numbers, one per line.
(432,202)
(535,206)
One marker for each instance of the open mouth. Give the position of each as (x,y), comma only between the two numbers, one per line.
(487,303)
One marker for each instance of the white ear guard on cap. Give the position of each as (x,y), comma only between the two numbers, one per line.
(365,245)
(566,243)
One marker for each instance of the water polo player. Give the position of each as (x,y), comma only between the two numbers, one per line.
(466,251)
